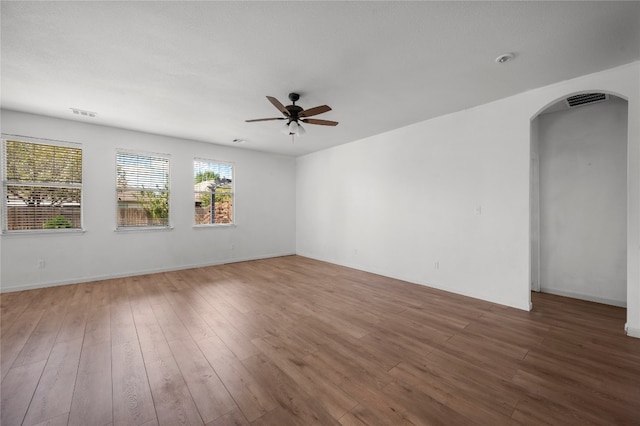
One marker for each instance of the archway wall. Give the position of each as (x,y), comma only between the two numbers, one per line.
(445,202)
(624,82)
(581,202)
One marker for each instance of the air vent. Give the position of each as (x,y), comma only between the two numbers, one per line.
(83,113)
(586,99)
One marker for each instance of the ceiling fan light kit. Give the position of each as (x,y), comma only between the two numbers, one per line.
(294,114)
(293,128)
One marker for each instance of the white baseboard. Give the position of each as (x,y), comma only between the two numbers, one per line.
(135,273)
(632,331)
(596,299)
(413,280)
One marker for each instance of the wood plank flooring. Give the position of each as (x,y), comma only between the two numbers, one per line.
(294,341)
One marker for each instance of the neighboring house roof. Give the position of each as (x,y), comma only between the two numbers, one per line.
(203,186)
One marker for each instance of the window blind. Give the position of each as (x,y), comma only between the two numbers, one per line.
(142,190)
(213,192)
(42,186)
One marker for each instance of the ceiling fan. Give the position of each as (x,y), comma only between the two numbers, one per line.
(294,114)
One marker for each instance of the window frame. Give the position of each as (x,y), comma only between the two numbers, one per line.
(150,156)
(4,225)
(232,193)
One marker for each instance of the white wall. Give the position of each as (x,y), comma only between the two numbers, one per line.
(438,203)
(453,190)
(535,207)
(264,204)
(583,202)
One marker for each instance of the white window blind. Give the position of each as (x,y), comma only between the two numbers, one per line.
(213,192)
(142,190)
(42,185)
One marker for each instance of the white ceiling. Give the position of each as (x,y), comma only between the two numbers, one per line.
(197,70)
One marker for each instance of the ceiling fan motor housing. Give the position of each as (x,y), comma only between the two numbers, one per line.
(294,111)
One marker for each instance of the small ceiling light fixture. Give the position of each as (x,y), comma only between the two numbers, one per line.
(505,57)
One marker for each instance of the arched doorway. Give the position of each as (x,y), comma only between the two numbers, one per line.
(579,198)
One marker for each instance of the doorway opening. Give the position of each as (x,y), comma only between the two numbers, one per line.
(579,198)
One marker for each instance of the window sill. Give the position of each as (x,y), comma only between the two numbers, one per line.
(43,232)
(129,229)
(215,226)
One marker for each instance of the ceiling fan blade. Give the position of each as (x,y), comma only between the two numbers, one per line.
(315,111)
(276,103)
(320,122)
(265,119)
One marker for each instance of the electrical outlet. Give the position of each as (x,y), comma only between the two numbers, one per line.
(436,265)
(41,264)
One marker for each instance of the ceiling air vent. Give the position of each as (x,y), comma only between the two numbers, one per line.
(586,99)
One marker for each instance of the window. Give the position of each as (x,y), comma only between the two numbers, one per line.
(42,185)
(142,182)
(213,188)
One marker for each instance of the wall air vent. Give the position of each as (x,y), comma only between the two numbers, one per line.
(83,113)
(586,99)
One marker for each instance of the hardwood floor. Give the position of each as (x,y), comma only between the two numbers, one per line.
(293,341)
